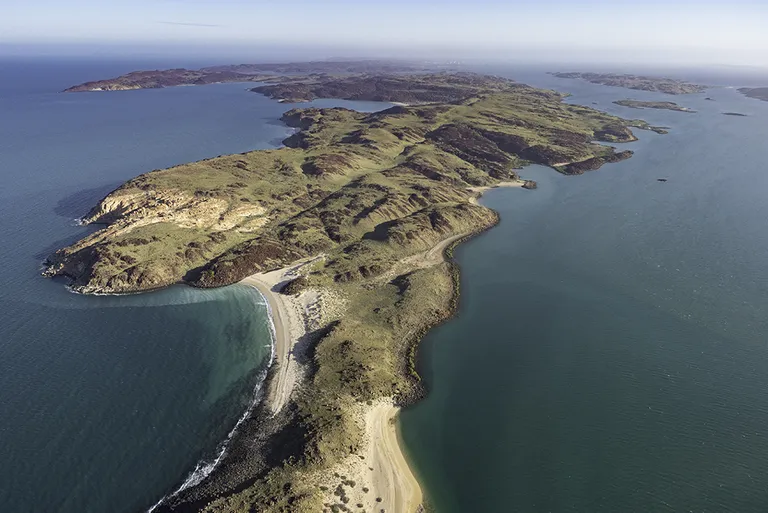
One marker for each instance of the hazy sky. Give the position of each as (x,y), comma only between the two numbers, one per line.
(734,31)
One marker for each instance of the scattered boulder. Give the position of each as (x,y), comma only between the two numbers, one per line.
(295,286)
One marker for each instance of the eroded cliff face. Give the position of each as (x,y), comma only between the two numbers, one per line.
(138,222)
(364,189)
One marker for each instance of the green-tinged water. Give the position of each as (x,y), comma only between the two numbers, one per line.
(610,353)
(109,403)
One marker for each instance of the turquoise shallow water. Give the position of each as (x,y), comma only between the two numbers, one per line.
(609,353)
(109,403)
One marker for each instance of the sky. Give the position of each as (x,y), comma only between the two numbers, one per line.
(724,32)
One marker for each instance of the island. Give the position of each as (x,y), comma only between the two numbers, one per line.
(636,104)
(638,82)
(759,93)
(265,72)
(347,231)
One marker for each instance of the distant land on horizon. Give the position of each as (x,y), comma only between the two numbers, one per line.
(759,93)
(260,72)
(282,73)
(638,82)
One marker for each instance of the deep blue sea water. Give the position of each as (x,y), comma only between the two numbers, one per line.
(610,354)
(108,403)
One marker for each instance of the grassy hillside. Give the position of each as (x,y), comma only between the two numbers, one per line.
(367,191)
(360,187)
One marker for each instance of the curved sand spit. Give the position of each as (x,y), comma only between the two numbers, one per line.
(383,472)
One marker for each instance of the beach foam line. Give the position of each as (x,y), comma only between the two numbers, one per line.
(204,468)
(173,295)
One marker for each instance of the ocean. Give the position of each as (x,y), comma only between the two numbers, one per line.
(609,353)
(110,403)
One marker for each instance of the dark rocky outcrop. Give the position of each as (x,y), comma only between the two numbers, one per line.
(295,286)
(258,255)
(578,168)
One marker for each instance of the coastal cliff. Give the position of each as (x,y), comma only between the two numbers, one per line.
(359,207)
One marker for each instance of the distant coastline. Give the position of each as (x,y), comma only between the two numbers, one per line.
(758,93)
(637,82)
(264,72)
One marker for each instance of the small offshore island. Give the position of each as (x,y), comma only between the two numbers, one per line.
(345,230)
(637,82)
(636,104)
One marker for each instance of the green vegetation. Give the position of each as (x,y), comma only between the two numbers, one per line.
(636,104)
(367,191)
(638,82)
(263,72)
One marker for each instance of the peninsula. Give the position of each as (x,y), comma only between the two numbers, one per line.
(638,82)
(345,232)
(636,104)
(759,93)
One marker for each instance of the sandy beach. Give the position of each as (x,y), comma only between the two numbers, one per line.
(384,471)
(284,323)
(291,317)
(383,478)
(479,191)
